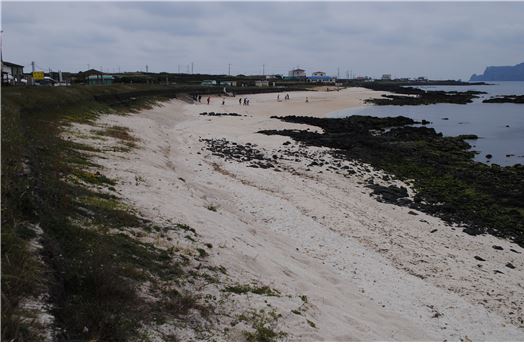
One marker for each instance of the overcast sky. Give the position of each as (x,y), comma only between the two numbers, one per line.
(437,40)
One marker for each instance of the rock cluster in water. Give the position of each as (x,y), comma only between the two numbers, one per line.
(506,99)
(416,96)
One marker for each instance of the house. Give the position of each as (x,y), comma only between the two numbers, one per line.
(297,73)
(386,77)
(100,79)
(12,73)
(321,79)
(208,83)
(319,74)
(262,83)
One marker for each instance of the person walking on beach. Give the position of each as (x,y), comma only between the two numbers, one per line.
(248,102)
(307,100)
(208,99)
(278,98)
(199,98)
(240,101)
(223,101)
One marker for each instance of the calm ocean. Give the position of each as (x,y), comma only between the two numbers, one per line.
(489,121)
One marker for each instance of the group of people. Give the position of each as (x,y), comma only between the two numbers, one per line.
(286,97)
(241,101)
(197,98)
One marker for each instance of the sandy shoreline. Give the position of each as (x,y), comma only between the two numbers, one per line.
(370,271)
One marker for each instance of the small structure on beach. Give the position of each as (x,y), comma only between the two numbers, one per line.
(319,74)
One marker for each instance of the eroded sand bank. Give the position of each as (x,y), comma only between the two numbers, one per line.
(370,271)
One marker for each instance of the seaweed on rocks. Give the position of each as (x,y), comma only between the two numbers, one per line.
(239,153)
(391,194)
(416,96)
(447,181)
(506,99)
(428,97)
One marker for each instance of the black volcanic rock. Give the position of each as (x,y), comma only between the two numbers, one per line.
(501,73)
(506,99)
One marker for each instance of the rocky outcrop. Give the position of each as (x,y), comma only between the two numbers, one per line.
(501,73)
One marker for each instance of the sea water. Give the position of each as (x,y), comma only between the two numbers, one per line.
(499,126)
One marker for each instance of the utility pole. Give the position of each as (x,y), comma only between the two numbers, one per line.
(263,69)
(32,70)
(178,68)
(191,68)
(147,69)
(338,72)
(1,48)
(228,69)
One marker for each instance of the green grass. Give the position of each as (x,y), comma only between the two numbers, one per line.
(263,324)
(91,274)
(212,208)
(258,290)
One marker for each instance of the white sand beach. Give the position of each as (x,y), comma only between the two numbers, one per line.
(371,271)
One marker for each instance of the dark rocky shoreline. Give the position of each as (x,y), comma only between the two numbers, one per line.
(519,99)
(428,97)
(416,96)
(448,183)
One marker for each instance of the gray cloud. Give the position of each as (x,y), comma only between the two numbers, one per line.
(438,40)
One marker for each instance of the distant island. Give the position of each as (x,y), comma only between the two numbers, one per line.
(501,73)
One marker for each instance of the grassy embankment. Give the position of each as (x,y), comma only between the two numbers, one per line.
(89,271)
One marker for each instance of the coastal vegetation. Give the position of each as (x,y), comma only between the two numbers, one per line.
(71,253)
(448,182)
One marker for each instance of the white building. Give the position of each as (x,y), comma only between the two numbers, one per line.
(297,73)
(12,73)
(262,83)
